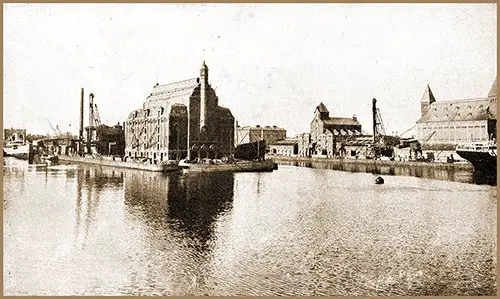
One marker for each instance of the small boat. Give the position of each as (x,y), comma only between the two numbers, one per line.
(236,166)
(17,149)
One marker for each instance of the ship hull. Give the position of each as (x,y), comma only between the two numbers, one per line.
(120,164)
(241,166)
(482,161)
(20,152)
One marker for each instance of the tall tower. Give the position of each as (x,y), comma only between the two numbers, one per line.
(203,94)
(426,101)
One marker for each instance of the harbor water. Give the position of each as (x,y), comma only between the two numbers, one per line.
(91,230)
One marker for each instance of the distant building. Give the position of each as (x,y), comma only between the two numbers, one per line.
(327,133)
(178,120)
(14,135)
(286,147)
(249,134)
(445,124)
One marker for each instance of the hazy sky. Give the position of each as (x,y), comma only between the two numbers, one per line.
(271,64)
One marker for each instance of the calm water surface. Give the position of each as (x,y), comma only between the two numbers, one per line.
(84,230)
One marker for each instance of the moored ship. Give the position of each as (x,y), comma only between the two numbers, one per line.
(482,155)
(236,166)
(15,144)
(17,149)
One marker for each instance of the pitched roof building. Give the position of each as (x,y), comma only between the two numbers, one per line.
(456,121)
(326,132)
(178,120)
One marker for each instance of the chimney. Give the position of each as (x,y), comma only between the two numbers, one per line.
(81,117)
(91,110)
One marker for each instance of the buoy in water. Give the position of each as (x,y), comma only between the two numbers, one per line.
(379,180)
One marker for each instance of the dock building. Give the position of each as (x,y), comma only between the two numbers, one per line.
(327,133)
(285,147)
(179,120)
(444,124)
(269,134)
(14,135)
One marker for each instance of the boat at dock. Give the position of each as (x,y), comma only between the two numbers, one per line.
(207,165)
(165,166)
(17,149)
(482,155)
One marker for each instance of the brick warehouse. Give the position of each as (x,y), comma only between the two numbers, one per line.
(327,133)
(179,120)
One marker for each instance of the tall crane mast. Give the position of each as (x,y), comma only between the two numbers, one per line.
(97,118)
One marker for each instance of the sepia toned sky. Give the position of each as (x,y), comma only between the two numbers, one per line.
(271,64)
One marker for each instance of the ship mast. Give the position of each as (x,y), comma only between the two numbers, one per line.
(374,115)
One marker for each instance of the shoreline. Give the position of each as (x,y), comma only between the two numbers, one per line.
(378,163)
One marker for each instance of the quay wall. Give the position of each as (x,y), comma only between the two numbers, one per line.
(366,162)
(111,163)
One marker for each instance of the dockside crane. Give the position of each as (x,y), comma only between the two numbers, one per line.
(420,146)
(97,118)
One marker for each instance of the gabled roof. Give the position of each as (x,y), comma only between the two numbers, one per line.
(428,96)
(322,108)
(177,92)
(459,110)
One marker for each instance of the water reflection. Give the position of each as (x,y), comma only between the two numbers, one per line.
(84,230)
(189,202)
(444,174)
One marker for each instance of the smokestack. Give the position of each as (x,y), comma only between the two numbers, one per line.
(91,110)
(81,117)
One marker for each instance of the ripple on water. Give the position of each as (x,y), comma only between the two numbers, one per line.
(295,231)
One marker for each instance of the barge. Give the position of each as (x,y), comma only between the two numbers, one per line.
(237,166)
(163,167)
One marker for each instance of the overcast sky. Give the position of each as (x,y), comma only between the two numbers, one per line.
(271,64)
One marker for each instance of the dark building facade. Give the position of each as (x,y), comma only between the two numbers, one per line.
(179,120)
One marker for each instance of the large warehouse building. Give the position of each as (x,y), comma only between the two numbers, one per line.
(448,123)
(178,120)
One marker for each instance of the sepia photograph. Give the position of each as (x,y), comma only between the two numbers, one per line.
(244,149)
